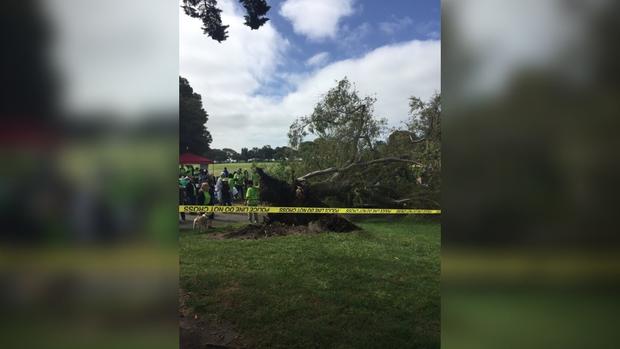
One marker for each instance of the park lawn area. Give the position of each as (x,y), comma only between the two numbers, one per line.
(373,289)
(234,166)
(240,165)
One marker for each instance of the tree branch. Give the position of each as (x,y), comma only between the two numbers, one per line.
(348,167)
(411,135)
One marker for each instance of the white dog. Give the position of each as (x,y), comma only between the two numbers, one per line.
(202,222)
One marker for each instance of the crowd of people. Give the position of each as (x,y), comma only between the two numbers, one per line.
(226,189)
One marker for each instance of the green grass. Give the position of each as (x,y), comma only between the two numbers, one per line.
(373,289)
(240,165)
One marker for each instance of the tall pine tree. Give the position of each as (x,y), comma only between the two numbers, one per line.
(210,15)
(193,134)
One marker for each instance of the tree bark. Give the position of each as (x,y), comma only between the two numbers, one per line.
(305,194)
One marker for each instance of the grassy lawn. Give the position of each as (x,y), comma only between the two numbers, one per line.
(240,165)
(218,168)
(374,289)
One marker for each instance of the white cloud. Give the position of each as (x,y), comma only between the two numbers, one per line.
(318,59)
(392,73)
(316,19)
(241,63)
(229,76)
(396,25)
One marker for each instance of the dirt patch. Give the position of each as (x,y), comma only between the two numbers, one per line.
(259,231)
(200,331)
(328,223)
(333,223)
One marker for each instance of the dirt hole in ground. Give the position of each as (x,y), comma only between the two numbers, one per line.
(331,223)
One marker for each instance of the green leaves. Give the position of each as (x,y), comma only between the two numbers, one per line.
(425,119)
(342,120)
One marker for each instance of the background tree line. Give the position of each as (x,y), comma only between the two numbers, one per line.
(266,153)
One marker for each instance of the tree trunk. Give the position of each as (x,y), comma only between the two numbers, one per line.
(305,194)
(280,193)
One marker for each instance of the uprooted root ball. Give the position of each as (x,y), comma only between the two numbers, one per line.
(329,223)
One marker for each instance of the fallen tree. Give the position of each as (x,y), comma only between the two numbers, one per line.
(280,193)
(303,193)
(348,165)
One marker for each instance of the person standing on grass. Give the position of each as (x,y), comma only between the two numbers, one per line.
(231,183)
(255,177)
(190,191)
(218,188)
(239,183)
(244,182)
(226,192)
(252,199)
(238,186)
(205,198)
(246,178)
(204,176)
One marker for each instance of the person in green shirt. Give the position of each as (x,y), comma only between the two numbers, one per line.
(205,198)
(246,178)
(239,183)
(183,181)
(252,199)
(255,177)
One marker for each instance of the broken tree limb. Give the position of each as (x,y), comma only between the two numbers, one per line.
(348,167)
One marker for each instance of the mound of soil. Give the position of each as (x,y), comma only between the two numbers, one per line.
(258,231)
(331,223)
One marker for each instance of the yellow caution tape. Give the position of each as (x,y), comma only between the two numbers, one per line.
(300,210)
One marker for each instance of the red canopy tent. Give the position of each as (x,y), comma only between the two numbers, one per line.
(191,159)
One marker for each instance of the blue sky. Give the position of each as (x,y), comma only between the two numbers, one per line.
(257,82)
(370,25)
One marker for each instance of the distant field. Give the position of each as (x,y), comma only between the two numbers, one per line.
(218,168)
